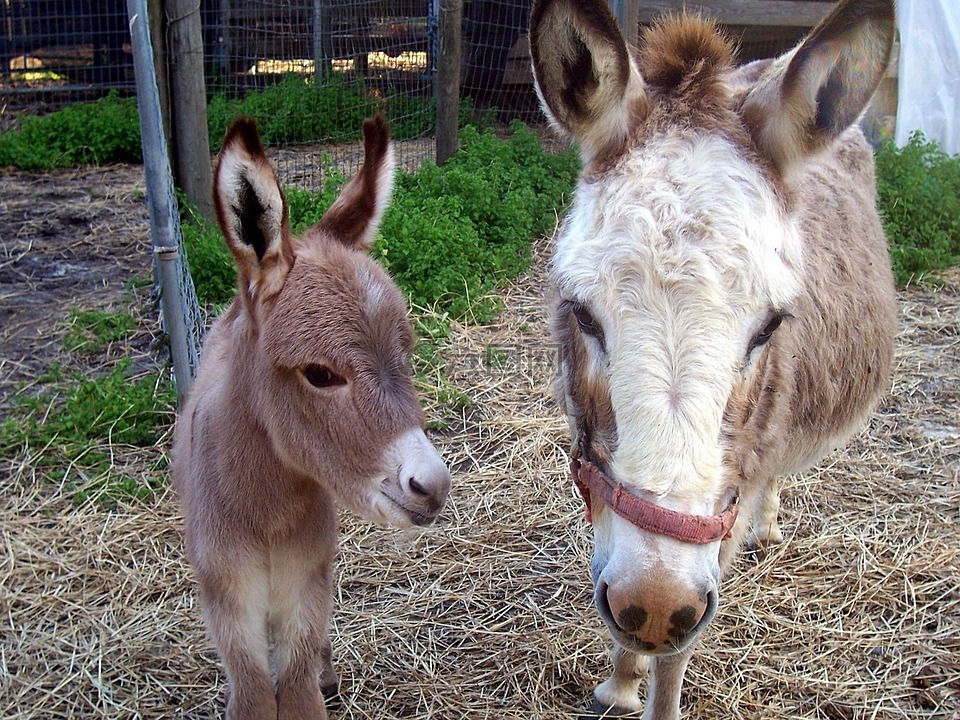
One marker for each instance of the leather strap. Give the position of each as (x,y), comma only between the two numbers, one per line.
(696,529)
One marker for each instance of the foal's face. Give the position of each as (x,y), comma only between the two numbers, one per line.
(329,339)
(338,387)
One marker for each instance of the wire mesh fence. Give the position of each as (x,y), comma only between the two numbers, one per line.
(309,71)
(54,52)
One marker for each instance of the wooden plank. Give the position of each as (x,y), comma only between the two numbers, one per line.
(447,88)
(782,13)
(626,14)
(188,99)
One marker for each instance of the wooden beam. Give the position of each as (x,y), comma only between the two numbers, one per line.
(626,13)
(775,13)
(188,100)
(447,87)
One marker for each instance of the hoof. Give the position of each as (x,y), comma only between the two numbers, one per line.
(599,711)
(331,695)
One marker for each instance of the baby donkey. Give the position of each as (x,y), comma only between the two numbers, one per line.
(304,399)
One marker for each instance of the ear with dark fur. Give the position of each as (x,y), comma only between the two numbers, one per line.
(587,80)
(809,96)
(252,213)
(355,215)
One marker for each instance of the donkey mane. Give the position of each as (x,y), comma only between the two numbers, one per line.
(685,52)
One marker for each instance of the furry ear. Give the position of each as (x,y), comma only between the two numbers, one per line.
(808,97)
(355,215)
(588,83)
(252,213)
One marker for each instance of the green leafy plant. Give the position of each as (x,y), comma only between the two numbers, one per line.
(296,109)
(456,233)
(918,195)
(96,133)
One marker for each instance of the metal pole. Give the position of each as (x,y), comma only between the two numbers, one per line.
(161,202)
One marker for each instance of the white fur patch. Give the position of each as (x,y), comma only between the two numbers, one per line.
(679,252)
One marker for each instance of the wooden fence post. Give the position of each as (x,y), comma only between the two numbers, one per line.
(155,22)
(627,13)
(322,41)
(188,103)
(448,78)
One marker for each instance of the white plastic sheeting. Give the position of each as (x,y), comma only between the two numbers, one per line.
(929,83)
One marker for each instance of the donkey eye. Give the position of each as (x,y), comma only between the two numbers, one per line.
(586,322)
(763,337)
(321,376)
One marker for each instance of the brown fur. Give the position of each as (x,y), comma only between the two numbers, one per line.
(266,447)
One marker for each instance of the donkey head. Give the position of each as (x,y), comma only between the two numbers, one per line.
(325,336)
(676,265)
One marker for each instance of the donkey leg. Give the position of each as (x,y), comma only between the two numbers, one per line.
(302,650)
(619,695)
(766,529)
(235,617)
(663,687)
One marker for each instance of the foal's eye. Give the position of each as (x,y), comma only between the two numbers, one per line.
(763,337)
(321,376)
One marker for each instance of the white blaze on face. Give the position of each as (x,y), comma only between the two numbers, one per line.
(680,253)
(414,484)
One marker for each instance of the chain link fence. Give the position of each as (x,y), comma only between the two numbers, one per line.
(310,70)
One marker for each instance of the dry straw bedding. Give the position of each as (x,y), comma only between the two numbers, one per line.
(489,615)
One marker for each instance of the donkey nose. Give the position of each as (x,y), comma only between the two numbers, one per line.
(428,486)
(425,479)
(658,617)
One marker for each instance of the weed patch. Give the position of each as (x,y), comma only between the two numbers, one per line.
(95,133)
(91,331)
(71,427)
(918,194)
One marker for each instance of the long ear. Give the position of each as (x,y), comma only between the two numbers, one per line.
(252,213)
(587,80)
(355,215)
(809,96)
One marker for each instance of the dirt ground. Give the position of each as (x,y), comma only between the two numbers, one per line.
(856,616)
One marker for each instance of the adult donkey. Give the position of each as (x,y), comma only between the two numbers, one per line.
(725,306)
(304,399)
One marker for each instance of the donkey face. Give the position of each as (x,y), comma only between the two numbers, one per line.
(676,265)
(327,338)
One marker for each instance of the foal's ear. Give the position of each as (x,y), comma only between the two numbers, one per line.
(355,215)
(252,212)
(808,97)
(588,83)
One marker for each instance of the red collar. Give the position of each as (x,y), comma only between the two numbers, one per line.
(696,529)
